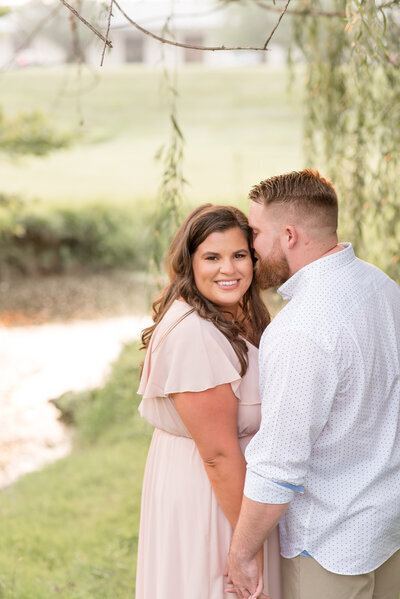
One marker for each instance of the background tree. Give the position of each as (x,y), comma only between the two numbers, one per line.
(352,117)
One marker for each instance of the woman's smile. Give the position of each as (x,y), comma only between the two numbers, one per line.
(229,285)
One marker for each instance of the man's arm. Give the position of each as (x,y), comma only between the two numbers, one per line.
(255,523)
(298,380)
(298,384)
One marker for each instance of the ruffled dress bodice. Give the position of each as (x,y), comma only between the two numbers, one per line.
(188,353)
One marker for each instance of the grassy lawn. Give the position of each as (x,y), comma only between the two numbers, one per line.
(71,530)
(240,126)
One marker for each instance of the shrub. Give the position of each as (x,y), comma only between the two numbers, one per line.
(92,237)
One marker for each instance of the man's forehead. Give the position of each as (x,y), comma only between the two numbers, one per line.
(257,213)
(256,208)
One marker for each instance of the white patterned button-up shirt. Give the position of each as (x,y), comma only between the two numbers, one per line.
(330,430)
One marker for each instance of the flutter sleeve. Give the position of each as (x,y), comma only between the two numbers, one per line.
(193,355)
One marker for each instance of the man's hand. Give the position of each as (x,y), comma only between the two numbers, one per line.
(245,562)
(246,576)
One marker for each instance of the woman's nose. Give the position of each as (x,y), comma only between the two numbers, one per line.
(227,266)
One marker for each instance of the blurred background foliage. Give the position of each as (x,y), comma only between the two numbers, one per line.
(30,133)
(65,239)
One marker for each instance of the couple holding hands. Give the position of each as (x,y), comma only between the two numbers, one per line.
(274,467)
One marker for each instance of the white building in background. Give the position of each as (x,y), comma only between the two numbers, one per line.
(189,21)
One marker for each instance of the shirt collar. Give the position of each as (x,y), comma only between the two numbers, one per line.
(316,268)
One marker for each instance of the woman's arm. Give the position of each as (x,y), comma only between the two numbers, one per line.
(211,417)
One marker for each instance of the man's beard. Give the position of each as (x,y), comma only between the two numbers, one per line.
(272,271)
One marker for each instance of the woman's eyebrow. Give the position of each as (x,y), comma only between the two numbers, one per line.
(209,253)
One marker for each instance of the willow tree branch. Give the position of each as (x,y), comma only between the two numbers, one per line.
(277,24)
(78,16)
(107,32)
(163,40)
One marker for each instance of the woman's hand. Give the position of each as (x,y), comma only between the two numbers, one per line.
(258,594)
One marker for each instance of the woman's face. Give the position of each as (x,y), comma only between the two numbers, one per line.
(223,268)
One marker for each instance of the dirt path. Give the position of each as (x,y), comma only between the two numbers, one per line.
(38,363)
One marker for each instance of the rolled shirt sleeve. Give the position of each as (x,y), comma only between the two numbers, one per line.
(298,382)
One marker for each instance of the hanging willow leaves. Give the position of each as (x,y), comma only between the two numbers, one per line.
(168,214)
(170,197)
(352,118)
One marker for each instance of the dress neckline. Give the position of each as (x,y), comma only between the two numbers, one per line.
(178,301)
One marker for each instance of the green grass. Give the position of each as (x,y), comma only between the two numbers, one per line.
(70,530)
(240,126)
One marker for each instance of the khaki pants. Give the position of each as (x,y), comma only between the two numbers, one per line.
(304,578)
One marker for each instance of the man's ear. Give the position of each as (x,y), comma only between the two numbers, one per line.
(291,236)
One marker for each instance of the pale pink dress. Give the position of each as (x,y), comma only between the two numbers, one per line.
(184,535)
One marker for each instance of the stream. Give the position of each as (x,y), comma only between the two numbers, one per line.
(39,363)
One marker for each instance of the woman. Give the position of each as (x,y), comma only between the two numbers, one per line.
(200,391)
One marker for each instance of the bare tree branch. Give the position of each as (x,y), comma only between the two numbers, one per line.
(277,25)
(78,16)
(260,3)
(107,32)
(192,47)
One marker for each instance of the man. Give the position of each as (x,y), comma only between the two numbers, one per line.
(327,457)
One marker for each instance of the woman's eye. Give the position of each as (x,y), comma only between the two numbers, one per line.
(240,255)
(211,258)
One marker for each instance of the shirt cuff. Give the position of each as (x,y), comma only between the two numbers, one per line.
(258,488)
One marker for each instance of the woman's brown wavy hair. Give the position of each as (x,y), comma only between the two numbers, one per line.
(254,316)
